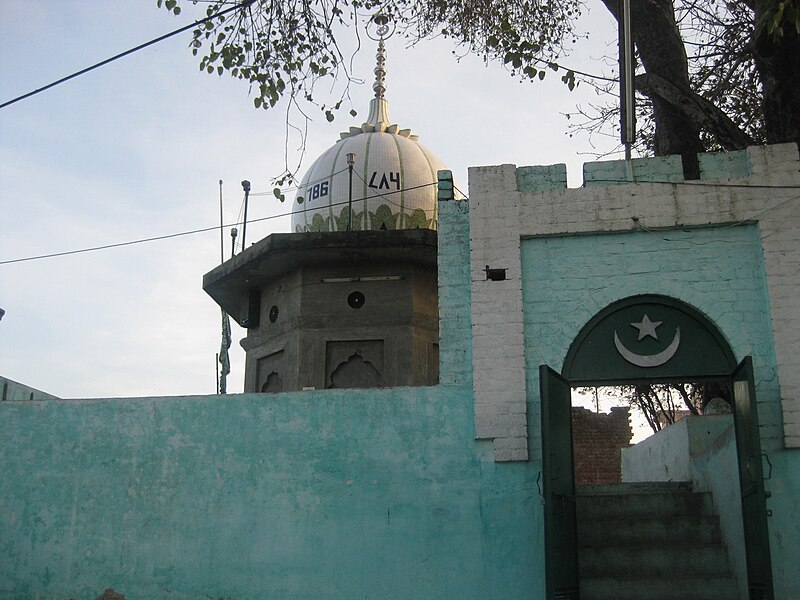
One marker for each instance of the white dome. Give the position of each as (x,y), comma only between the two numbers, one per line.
(394,186)
(394,177)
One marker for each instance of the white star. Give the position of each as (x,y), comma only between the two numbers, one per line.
(647,327)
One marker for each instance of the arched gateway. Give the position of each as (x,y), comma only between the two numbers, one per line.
(646,339)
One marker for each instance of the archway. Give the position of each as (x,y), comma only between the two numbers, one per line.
(643,339)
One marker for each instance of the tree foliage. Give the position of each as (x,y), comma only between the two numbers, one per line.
(288,48)
(284,47)
(714,74)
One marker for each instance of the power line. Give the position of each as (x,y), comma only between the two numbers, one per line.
(389,193)
(127,52)
(700,183)
(185,233)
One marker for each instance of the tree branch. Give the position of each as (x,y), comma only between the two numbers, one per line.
(695,108)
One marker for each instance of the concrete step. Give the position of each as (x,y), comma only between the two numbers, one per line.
(656,529)
(639,500)
(669,561)
(647,587)
(651,541)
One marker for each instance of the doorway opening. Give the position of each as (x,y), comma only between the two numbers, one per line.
(607,420)
(623,348)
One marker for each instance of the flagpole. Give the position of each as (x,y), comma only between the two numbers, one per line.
(221,228)
(223,359)
(246,188)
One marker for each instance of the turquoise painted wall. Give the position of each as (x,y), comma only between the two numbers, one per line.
(11,390)
(368,494)
(719,270)
(322,495)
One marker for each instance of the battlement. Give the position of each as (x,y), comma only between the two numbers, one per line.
(511,207)
(755,161)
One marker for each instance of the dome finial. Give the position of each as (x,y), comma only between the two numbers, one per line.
(379,107)
(380,28)
(382,21)
(380,71)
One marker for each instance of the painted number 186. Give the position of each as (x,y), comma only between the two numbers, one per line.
(317,191)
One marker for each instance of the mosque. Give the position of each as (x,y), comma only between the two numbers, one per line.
(405,428)
(349,299)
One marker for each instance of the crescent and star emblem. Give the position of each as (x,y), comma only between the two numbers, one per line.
(647,328)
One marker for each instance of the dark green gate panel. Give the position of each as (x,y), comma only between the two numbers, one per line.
(754,507)
(647,337)
(558,481)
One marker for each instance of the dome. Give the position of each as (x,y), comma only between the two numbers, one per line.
(393,181)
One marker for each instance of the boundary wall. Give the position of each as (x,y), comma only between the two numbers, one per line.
(727,244)
(334,494)
(758,186)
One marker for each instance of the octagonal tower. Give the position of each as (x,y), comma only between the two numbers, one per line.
(346,300)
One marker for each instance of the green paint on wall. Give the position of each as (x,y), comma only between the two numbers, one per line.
(335,494)
(719,271)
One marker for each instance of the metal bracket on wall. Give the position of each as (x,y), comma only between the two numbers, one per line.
(495,274)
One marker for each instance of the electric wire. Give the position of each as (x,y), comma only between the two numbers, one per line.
(188,232)
(297,187)
(166,36)
(127,52)
(700,183)
(345,202)
(380,195)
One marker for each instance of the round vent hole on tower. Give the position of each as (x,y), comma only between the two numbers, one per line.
(356,299)
(273,313)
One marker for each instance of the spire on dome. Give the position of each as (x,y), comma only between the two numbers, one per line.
(380,71)
(378,118)
(379,106)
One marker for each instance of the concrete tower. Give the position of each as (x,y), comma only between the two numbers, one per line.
(349,299)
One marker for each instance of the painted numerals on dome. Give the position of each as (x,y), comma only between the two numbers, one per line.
(315,192)
(385,181)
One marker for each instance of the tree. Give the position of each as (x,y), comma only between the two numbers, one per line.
(739,82)
(735,86)
(663,404)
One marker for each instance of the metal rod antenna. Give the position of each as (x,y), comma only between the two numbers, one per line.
(221,228)
(627,85)
(351,160)
(246,188)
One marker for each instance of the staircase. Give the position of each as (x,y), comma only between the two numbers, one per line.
(650,541)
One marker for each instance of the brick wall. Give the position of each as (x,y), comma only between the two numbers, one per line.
(596,442)
(756,188)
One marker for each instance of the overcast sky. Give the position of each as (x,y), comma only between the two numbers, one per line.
(136,149)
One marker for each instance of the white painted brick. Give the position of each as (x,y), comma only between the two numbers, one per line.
(500,215)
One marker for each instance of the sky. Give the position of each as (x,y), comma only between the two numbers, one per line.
(136,149)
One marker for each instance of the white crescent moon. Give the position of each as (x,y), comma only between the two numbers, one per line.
(651,360)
